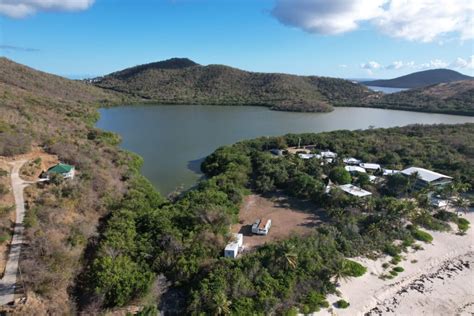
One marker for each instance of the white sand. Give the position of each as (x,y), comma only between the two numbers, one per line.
(441,282)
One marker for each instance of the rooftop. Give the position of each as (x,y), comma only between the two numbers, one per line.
(353,190)
(60,168)
(372,166)
(355,169)
(425,174)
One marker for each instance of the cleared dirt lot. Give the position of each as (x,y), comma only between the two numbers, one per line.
(289,216)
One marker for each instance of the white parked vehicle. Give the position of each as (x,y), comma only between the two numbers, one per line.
(261,226)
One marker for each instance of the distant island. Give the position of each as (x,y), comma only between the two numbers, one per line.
(420,79)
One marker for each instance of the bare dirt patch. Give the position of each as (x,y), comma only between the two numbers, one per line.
(289,217)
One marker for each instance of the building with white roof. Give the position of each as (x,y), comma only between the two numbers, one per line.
(427,177)
(370,166)
(390,172)
(328,154)
(351,161)
(354,190)
(307,156)
(355,169)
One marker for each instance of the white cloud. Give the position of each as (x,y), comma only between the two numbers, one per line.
(436,63)
(371,65)
(326,16)
(427,20)
(398,64)
(416,20)
(342,66)
(23,8)
(463,63)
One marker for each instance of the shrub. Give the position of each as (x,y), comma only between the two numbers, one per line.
(3,189)
(342,304)
(396,259)
(385,265)
(393,272)
(3,173)
(463,225)
(314,301)
(421,235)
(150,310)
(392,250)
(4,237)
(398,269)
(340,175)
(354,269)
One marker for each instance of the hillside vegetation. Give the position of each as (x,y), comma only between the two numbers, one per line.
(453,98)
(62,218)
(420,79)
(181,81)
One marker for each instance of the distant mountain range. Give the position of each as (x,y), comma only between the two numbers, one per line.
(420,79)
(182,81)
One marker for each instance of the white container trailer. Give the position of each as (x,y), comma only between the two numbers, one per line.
(232,249)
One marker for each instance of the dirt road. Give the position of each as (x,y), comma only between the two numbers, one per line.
(8,283)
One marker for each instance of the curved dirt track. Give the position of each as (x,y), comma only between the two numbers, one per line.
(8,283)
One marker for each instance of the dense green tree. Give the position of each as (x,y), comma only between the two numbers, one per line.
(340,175)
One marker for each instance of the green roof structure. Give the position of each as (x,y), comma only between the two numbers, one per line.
(60,168)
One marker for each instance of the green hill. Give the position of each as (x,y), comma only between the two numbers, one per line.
(454,98)
(420,79)
(181,81)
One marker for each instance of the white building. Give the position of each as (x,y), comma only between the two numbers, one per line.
(328,154)
(354,190)
(370,166)
(351,161)
(232,248)
(427,177)
(355,169)
(390,172)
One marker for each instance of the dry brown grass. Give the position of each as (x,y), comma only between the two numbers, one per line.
(289,216)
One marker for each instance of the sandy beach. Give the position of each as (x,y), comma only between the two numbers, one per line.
(438,280)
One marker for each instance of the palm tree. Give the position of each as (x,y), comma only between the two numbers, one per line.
(461,204)
(341,271)
(221,304)
(287,257)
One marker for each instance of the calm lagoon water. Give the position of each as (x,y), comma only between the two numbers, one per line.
(386,90)
(173,140)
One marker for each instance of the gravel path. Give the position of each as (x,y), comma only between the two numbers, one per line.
(8,283)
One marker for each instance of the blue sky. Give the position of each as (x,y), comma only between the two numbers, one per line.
(352,39)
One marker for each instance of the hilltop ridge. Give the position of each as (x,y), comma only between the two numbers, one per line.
(187,82)
(420,79)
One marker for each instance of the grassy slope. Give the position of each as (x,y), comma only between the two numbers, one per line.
(217,84)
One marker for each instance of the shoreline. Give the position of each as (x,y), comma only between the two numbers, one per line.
(438,280)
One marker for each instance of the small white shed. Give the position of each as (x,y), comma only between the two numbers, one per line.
(232,248)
